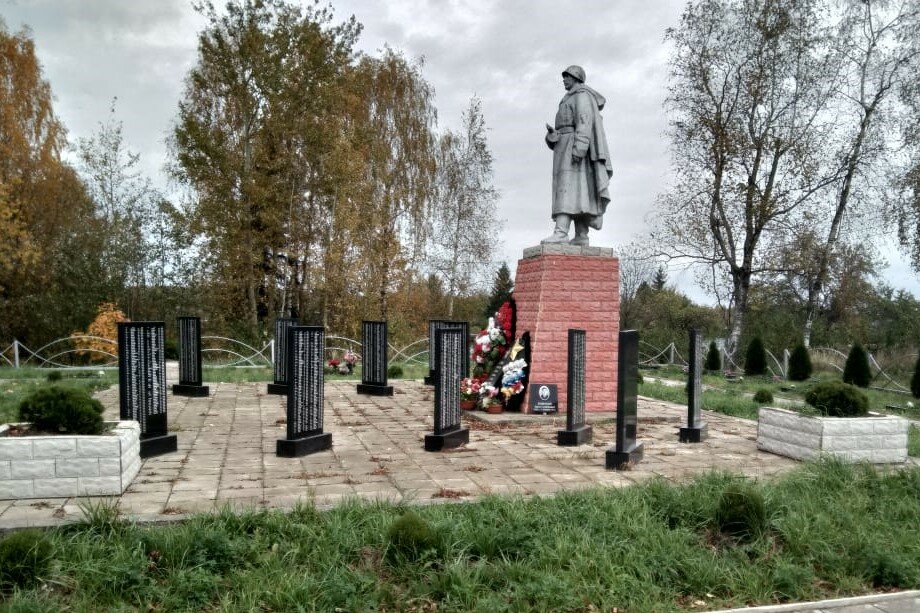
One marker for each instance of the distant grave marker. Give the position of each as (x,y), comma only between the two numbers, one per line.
(306,349)
(282,326)
(374,362)
(696,430)
(142,383)
(451,363)
(627,452)
(576,432)
(434,325)
(189,358)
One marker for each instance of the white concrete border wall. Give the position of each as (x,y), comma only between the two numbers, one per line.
(879,439)
(62,466)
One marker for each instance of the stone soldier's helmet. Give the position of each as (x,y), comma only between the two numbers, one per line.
(576,72)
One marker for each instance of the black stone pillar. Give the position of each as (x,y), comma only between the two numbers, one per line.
(450,346)
(441,324)
(305,353)
(576,432)
(189,359)
(627,451)
(142,383)
(696,430)
(282,326)
(374,362)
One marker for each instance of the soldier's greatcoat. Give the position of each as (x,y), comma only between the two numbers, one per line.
(581,159)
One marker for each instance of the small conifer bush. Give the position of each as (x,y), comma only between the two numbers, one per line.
(856,370)
(799,363)
(755,360)
(763,396)
(713,359)
(395,371)
(837,399)
(54,376)
(915,380)
(411,538)
(24,558)
(62,410)
(741,513)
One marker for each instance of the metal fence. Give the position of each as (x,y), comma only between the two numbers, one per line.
(69,353)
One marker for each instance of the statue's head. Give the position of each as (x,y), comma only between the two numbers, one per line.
(576,72)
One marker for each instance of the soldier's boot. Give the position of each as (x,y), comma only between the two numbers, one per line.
(581,232)
(561,233)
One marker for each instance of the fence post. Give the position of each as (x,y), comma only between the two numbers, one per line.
(271,344)
(15,353)
(671,359)
(785,363)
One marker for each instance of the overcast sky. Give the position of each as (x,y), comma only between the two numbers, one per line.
(508,52)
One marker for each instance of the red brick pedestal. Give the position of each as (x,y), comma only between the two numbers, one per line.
(558,287)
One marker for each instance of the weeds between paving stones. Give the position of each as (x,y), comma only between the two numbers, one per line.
(449,493)
(474,469)
(380,471)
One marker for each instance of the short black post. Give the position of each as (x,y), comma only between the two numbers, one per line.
(696,430)
(282,327)
(374,361)
(451,365)
(142,383)
(627,451)
(434,325)
(576,432)
(306,350)
(189,359)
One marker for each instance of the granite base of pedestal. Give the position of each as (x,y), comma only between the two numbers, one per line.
(694,434)
(158,445)
(558,287)
(296,447)
(370,389)
(447,440)
(623,460)
(582,435)
(190,391)
(279,389)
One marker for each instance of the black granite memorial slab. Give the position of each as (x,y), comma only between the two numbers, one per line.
(576,431)
(627,451)
(696,430)
(142,383)
(451,365)
(374,361)
(189,359)
(442,324)
(280,359)
(305,353)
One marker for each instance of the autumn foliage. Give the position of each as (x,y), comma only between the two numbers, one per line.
(104,326)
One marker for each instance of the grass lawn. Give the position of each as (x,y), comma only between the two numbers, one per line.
(825,530)
(231,374)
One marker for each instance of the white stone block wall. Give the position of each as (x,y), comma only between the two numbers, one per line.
(63,466)
(880,439)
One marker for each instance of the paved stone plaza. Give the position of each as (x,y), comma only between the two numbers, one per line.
(227,455)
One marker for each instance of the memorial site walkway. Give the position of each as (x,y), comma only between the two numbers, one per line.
(227,455)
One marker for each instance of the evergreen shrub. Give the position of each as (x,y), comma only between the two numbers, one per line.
(755,360)
(713,358)
(24,558)
(915,380)
(741,513)
(763,396)
(395,371)
(411,538)
(837,399)
(799,363)
(856,370)
(63,410)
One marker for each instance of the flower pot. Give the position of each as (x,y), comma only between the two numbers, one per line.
(467,405)
(495,408)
